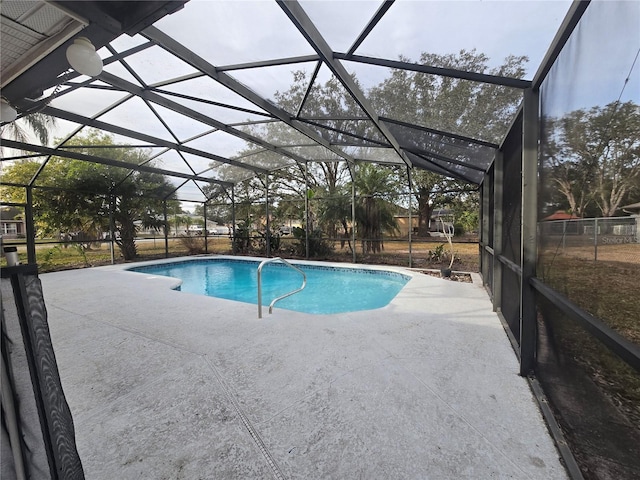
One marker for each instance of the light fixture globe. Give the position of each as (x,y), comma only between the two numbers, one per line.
(83,58)
(7,112)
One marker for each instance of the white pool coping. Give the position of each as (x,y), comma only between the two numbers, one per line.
(167,384)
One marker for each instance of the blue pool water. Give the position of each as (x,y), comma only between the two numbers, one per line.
(328,290)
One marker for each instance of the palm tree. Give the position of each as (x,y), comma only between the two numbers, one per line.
(336,209)
(38,123)
(374,211)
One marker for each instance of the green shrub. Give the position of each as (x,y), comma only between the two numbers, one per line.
(459,229)
(241,239)
(318,246)
(193,244)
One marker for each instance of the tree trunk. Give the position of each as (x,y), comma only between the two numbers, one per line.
(372,233)
(345,236)
(127,242)
(424,213)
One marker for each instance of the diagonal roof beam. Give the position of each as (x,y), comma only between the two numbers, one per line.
(344,132)
(386,5)
(441,132)
(139,79)
(269,63)
(186,55)
(444,170)
(444,158)
(304,24)
(148,95)
(92,122)
(314,75)
(444,72)
(105,161)
(153,88)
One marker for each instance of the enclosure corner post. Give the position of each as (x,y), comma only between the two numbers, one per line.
(528,316)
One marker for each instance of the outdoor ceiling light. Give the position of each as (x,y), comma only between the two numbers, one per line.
(7,112)
(83,58)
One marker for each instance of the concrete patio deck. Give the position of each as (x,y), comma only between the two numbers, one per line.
(168,385)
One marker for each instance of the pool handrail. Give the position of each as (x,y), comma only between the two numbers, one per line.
(262,264)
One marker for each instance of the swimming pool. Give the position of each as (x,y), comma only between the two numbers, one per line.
(329,289)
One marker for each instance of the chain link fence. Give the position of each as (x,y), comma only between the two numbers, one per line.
(612,239)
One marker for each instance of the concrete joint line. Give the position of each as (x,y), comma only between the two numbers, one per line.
(275,469)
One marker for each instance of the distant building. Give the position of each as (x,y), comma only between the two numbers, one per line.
(560,215)
(12,224)
(436,227)
(633,209)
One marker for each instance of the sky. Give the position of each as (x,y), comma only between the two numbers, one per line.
(600,64)
(237,32)
(246,31)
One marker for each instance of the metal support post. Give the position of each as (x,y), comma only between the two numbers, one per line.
(306,209)
(166,230)
(206,230)
(484,229)
(31,229)
(353,215)
(410,218)
(595,239)
(498,220)
(233,219)
(267,235)
(112,228)
(528,317)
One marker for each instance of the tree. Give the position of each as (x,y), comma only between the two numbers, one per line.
(567,173)
(594,156)
(375,210)
(473,109)
(336,209)
(322,174)
(476,110)
(84,195)
(433,190)
(38,123)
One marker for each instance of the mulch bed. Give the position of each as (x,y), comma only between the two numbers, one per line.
(455,276)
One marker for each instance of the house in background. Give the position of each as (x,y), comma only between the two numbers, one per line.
(12,224)
(633,209)
(560,215)
(441,221)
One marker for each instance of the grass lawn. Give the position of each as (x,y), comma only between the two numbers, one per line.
(608,289)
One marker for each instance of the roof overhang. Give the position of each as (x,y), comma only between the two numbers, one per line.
(38,34)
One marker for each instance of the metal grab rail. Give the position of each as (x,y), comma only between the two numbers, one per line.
(262,264)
